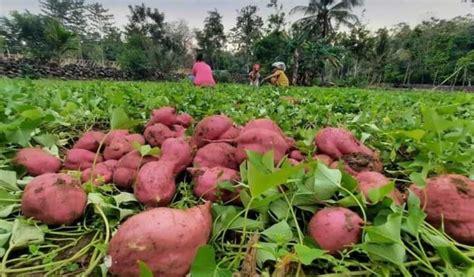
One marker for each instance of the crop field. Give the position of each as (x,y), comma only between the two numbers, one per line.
(265,228)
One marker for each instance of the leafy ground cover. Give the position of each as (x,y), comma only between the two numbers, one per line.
(419,134)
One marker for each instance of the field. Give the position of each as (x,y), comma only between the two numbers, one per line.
(419,134)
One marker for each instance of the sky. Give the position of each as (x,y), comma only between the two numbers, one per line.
(376,13)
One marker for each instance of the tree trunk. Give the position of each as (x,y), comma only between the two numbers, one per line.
(296,65)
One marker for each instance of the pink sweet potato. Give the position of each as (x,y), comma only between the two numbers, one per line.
(119,133)
(90,141)
(54,199)
(167,116)
(370,180)
(335,229)
(80,159)
(156,183)
(163,238)
(296,155)
(261,141)
(185,120)
(178,152)
(450,199)
(268,124)
(157,133)
(120,146)
(102,173)
(37,161)
(214,128)
(206,181)
(216,154)
(127,167)
(324,159)
(337,142)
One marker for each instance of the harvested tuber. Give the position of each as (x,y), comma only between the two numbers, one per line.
(37,161)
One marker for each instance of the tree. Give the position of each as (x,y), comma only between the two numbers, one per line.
(147,22)
(320,15)
(70,13)
(248,30)
(211,39)
(101,22)
(276,20)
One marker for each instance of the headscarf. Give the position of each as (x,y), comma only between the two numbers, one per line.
(279,65)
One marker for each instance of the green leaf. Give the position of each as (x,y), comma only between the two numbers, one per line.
(280,232)
(47,140)
(24,234)
(433,122)
(33,114)
(415,217)
(260,182)
(418,178)
(417,134)
(205,265)
(307,255)
(394,253)
(124,197)
(5,233)
(389,232)
(145,271)
(447,250)
(375,195)
(326,181)
(8,180)
(120,120)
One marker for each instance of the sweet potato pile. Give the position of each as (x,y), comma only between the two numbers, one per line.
(211,156)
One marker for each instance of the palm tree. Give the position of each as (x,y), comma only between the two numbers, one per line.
(321,14)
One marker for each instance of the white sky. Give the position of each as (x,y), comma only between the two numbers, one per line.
(378,13)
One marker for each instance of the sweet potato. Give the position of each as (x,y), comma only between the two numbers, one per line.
(370,180)
(102,173)
(80,159)
(119,133)
(335,229)
(167,116)
(178,152)
(120,146)
(185,120)
(163,238)
(324,159)
(267,124)
(54,199)
(156,183)
(213,128)
(206,181)
(127,167)
(36,161)
(296,155)
(337,142)
(261,141)
(157,133)
(449,199)
(216,154)
(89,141)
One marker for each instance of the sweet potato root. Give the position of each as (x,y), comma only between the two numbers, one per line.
(450,198)
(214,128)
(54,199)
(157,133)
(261,141)
(324,159)
(120,146)
(335,229)
(127,168)
(167,116)
(102,173)
(216,154)
(165,239)
(36,161)
(156,183)
(178,152)
(80,159)
(206,181)
(90,141)
(120,133)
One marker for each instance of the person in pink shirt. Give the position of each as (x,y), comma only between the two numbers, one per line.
(202,73)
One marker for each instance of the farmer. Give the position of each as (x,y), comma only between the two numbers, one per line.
(278,77)
(202,73)
(254,75)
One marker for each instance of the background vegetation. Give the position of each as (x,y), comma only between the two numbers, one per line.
(326,45)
